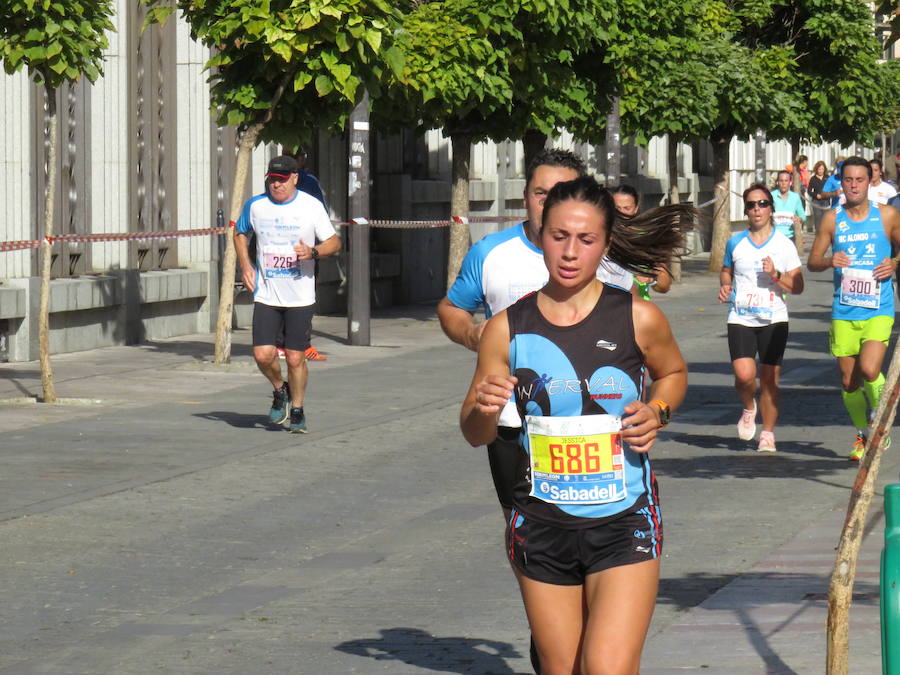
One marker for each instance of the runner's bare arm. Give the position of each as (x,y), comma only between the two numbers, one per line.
(817,262)
(667,369)
(792,281)
(890,217)
(663,280)
(726,281)
(492,385)
(248,273)
(459,324)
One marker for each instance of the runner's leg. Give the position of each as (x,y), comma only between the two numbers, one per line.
(852,393)
(769,396)
(871,358)
(745,380)
(556,616)
(620,602)
(266,358)
(298,374)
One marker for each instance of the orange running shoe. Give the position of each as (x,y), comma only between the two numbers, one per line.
(859,448)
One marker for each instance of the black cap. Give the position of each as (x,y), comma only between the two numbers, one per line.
(282,167)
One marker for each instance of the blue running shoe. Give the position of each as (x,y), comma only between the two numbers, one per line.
(298,421)
(281,400)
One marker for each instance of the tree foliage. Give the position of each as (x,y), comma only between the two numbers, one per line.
(497,70)
(329,49)
(58,41)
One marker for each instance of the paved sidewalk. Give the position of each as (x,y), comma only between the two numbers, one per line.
(772,619)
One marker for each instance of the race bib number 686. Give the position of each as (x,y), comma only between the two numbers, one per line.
(576,460)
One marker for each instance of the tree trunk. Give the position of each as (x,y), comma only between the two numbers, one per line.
(247,142)
(722,209)
(613,145)
(47,253)
(674,195)
(461,146)
(533,143)
(840,592)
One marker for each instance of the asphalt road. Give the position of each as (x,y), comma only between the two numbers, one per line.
(165,527)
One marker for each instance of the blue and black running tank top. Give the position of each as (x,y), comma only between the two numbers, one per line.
(593,367)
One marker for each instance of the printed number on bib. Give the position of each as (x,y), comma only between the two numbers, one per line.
(576,460)
(279,262)
(859,288)
(750,300)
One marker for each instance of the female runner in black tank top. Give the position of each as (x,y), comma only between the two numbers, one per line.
(597,623)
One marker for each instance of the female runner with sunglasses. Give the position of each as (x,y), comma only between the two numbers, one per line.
(585,535)
(761,264)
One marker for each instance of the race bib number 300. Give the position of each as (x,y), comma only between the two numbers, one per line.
(859,288)
(576,460)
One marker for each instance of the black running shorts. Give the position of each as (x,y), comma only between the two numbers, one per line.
(767,341)
(555,555)
(507,459)
(295,322)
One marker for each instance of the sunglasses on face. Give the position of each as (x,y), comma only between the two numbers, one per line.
(761,203)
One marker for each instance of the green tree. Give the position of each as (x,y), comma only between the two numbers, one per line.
(281,70)
(817,68)
(493,71)
(58,43)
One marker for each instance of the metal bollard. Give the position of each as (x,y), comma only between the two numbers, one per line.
(890,583)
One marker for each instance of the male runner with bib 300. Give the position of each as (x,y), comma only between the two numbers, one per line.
(860,234)
(288,224)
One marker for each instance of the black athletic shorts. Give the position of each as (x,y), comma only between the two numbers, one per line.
(767,341)
(507,459)
(294,322)
(555,555)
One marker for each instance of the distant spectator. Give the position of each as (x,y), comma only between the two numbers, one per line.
(789,213)
(816,183)
(802,165)
(880,191)
(832,189)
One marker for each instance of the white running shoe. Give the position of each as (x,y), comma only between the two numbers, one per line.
(746,426)
(766,442)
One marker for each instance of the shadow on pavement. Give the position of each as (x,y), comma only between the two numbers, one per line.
(755,590)
(750,464)
(240,420)
(23,379)
(419,648)
(199,350)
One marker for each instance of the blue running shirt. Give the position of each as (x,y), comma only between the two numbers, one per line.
(857,296)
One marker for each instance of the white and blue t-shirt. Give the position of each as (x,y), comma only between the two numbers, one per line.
(281,279)
(501,268)
(757,299)
(504,266)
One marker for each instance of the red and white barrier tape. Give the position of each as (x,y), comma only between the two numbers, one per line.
(20,245)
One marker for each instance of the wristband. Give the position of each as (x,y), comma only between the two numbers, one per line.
(665,413)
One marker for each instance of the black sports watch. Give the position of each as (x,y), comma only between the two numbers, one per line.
(665,413)
(314,252)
